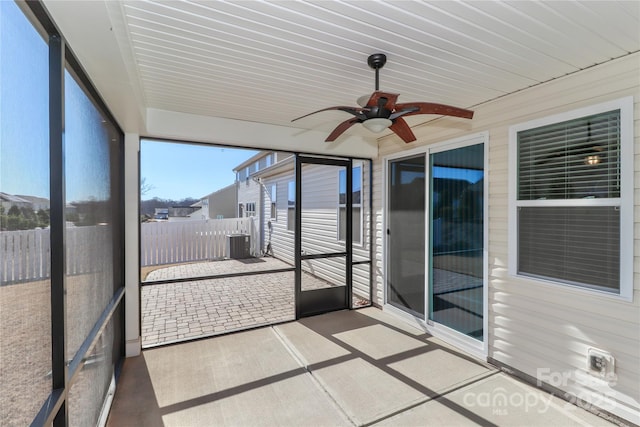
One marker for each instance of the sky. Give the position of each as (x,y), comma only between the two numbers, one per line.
(24,120)
(24,117)
(179,170)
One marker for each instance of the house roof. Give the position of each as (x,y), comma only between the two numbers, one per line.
(5,197)
(251,160)
(212,193)
(246,68)
(34,199)
(277,168)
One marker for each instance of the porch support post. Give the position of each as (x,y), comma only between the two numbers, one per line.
(131,243)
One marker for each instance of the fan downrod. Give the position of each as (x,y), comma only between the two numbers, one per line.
(377,61)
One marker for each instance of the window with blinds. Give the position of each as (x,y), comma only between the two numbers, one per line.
(571,160)
(568,201)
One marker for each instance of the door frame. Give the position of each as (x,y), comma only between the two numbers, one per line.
(318,301)
(466,343)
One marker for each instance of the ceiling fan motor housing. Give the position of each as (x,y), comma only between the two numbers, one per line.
(378,112)
(377,60)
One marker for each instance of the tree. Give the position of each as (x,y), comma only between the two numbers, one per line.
(28,213)
(43,218)
(14,211)
(145,187)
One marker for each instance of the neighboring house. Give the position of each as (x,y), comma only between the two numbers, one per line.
(250,191)
(220,204)
(37,203)
(199,212)
(161,214)
(8,200)
(181,211)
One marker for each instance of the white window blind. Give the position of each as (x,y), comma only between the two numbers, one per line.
(574,239)
(571,160)
(575,245)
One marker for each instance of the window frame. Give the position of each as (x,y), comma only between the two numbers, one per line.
(250,209)
(273,214)
(359,241)
(291,223)
(624,202)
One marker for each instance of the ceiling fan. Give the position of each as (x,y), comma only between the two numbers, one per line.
(380,110)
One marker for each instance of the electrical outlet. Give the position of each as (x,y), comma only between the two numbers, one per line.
(600,363)
(597,363)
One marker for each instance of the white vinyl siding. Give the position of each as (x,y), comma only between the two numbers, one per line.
(533,326)
(250,198)
(356,204)
(282,240)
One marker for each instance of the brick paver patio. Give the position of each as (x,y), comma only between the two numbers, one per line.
(179,311)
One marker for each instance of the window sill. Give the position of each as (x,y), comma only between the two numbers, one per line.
(623,295)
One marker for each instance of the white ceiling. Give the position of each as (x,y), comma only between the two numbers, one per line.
(270,62)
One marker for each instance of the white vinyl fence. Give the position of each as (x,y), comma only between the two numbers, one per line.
(185,241)
(25,255)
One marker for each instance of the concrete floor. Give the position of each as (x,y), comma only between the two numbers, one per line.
(347,368)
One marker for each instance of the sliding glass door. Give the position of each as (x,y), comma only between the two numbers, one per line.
(405,235)
(435,237)
(456,252)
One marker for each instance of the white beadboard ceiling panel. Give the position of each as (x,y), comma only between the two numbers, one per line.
(272,61)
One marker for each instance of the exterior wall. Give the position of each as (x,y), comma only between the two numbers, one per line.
(281,155)
(223,202)
(282,240)
(249,191)
(545,330)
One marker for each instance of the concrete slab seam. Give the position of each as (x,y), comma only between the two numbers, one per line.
(301,360)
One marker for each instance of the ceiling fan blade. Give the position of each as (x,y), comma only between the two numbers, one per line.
(351,110)
(341,128)
(431,108)
(404,112)
(378,95)
(402,129)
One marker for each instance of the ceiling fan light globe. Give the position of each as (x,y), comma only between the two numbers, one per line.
(362,101)
(377,125)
